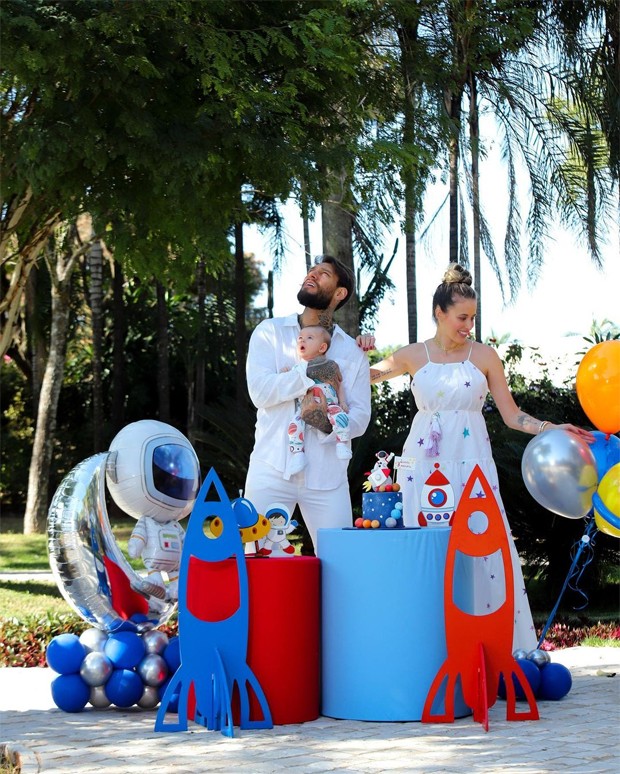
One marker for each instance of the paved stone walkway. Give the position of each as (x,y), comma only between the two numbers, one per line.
(580,733)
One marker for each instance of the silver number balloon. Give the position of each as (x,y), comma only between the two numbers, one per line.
(85,559)
(559,471)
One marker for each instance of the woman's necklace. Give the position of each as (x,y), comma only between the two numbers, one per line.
(447,350)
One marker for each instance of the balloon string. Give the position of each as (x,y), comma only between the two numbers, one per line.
(587,555)
(584,544)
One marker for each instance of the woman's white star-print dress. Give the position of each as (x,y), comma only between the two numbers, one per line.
(448,437)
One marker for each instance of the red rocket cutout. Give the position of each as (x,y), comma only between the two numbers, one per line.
(479,647)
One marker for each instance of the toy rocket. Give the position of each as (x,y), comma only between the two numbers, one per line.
(479,647)
(213,629)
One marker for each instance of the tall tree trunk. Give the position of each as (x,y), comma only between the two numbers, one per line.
(306,227)
(119,371)
(61,255)
(474,136)
(163,362)
(407,34)
(453,103)
(240,331)
(38,354)
(337,223)
(95,267)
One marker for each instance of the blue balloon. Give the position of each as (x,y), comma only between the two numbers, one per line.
(555,681)
(606,452)
(125,649)
(124,688)
(532,675)
(65,654)
(172,654)
(70,692)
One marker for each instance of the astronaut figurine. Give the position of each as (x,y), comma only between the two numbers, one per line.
(153,475)
(380,475)
(281,526)
(159,544)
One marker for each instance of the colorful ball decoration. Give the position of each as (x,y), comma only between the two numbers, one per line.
(555,681)
(65,654)
(559,471)
(606,503)
(598,385)
(69,692)
(125,649)
(124,688)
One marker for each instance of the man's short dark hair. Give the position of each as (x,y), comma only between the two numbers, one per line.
(344,274)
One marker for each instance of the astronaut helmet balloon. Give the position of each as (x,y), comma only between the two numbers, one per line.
(153,469)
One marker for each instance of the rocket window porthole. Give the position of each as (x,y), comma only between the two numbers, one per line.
(478,523)
(437,498)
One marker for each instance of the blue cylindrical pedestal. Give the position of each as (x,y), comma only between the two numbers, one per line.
(383,631)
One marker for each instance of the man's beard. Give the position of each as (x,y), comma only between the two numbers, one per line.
(319,300)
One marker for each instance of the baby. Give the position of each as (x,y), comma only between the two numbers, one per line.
(312,344)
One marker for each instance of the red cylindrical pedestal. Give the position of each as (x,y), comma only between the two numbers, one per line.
(284,635)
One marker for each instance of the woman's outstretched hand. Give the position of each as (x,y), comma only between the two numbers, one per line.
(365,342)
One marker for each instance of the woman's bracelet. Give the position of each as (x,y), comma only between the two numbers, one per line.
(542,426)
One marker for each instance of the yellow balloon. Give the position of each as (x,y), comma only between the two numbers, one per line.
(609,493)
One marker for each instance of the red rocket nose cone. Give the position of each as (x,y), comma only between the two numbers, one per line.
(202,578)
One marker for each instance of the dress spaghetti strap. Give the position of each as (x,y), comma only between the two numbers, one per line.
(471,346)
(428,357)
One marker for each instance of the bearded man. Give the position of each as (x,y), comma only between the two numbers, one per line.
(276,378)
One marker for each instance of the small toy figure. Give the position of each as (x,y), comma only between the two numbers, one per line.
(281,526)
(380,475)
(153,475)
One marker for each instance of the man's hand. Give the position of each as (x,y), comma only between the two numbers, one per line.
(314,410)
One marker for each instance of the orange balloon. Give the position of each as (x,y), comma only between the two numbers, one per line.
(598,385)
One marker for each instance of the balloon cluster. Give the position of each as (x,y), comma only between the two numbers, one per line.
(123,668)
(564,473)
(548,680)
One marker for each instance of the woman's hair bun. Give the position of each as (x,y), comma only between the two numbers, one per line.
(456,274)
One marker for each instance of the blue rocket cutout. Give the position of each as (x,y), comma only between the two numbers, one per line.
(213,633)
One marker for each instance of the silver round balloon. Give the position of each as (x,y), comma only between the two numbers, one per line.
(98,698)
(155,641)
(520,653)
(96,669)
(559,471)
(93,640)
(539,657)
(153,669)
(90,569)
(150,697)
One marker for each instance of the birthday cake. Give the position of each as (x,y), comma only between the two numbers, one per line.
(382,503)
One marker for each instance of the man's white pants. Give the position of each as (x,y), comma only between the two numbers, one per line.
(320,508)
